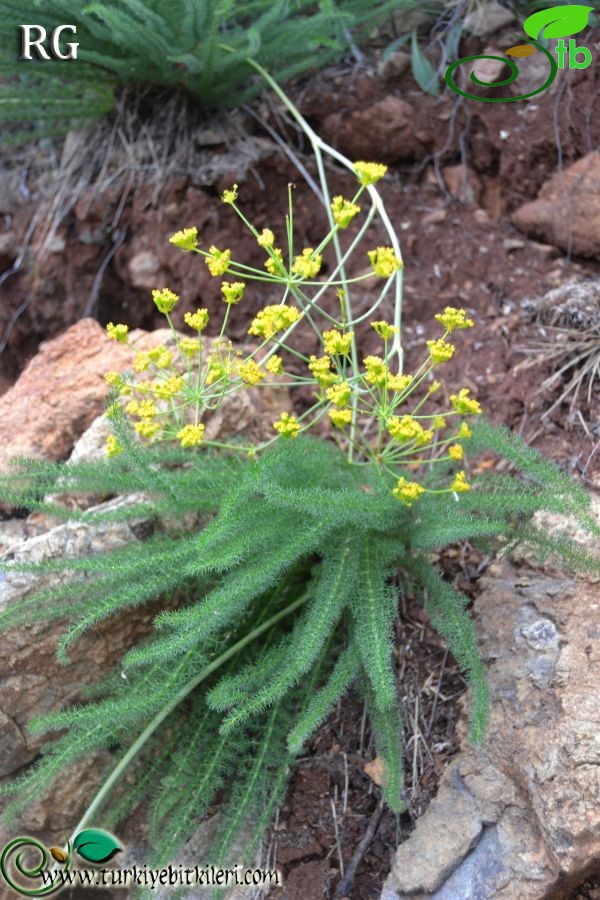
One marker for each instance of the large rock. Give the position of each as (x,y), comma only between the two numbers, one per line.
(383,131)
(486,18)
(59,394)
(34,682)
(62,391)
(567,210)
(518,818)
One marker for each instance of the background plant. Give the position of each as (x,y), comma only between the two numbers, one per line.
(197,46)
(288,592)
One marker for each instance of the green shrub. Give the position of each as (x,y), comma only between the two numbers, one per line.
(198,46)
(287,589)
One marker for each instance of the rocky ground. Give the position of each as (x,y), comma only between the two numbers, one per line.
(497,210)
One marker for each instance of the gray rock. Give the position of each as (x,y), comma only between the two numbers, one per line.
(516,816)
(487,18)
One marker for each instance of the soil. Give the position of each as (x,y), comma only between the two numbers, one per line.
(467,166)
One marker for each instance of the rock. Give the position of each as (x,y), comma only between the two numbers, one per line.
(78,784)
(510,244)
(574,305)
(462,183)
(56,244)
(374,770)
(567,210)
(394,65)
(13,531)
(143,270)
(518,818)
(60,392)
(66,379)
(63,390)
(383,132)
(8,246)
(10,195)
(487,18)
(34,682)
(436,217)
(490,70)
(91,444)
(533,72)
(481,217)
(406,19)
(552,524)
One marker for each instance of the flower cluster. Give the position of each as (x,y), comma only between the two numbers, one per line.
(376,411)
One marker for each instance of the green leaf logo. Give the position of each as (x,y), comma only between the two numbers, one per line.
(558,22)
(95,845)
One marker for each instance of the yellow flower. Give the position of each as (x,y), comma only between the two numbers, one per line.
(453,318)
(113,379)
(266,238)
(117,332)
(146,428)
(189,346)
(455,451)
(464,404)
(167,389)
(408,429)
(440,351)
(337,344)
(230,196)
(320,367)
(191,435)
(339,393)
(146,409)
(220,362)
(287,425)
(464,431)
(141,362)
(218,261)
(460,484)
(369,173)
(233,291)
(385,330)
(274,264)
(112,446)
(343,211)
(250,372)
(307,265)
(274,318)
(165,300)
(398,382)
(340,417)
(408,491)
(384,261)
(217,368)
(132,408)
(377,371)
(434,386)
(274,365)
(198,320)
(438,423)
(187,239)
(161,356)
